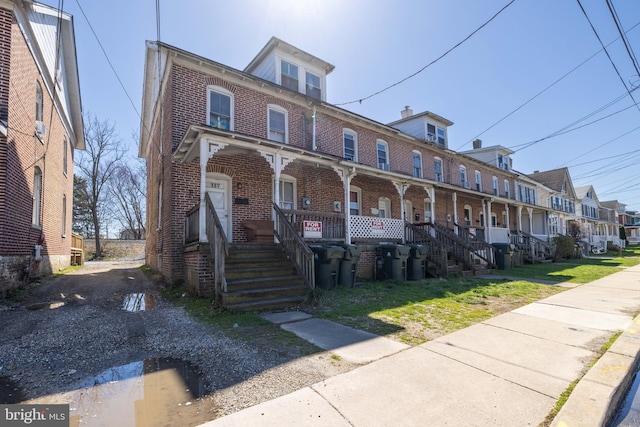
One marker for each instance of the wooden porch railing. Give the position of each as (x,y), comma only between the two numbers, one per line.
(332,223)
(218,246)
(295,247)
(481,248)
(77,249)
(460,250)
(537,249)
(192,225)
(436,252)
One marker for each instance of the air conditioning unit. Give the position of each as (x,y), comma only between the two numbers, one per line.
(41,129)
(384,166)
(467,184)
(432,138)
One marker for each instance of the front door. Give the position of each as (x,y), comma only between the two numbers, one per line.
(218,190)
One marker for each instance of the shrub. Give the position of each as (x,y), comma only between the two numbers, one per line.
(565,246)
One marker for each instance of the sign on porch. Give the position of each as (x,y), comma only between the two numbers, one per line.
(312,229)
(377,227)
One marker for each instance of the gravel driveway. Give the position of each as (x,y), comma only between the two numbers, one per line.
(49,350)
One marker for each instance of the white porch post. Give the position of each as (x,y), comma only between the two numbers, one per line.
(454,197)
(489,221)
(530,213)
(432,198)
(346,176)
(202,214)
(508,224)
(277,162)
(519,218)
(401,187)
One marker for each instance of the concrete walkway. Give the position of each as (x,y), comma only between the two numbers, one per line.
(506,371)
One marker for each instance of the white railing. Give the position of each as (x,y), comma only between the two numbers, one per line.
(542,237)
(369,227)
(499,235)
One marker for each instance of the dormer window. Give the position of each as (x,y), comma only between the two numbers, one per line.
(441,139)
(503,162)
(313,86)
(289,75)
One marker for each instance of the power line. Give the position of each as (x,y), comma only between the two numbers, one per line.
(429,64)
(627,46)
(605,51)
(604,158)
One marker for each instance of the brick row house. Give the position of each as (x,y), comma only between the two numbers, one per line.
(40,128)
(227,149)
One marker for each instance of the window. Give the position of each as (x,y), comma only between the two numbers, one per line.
(354,201)
(313,86)
(463,177)
(220,108)
(408,211)
(287,192)
(349,144)
(504,220)
(467,215)
(478,181)
(417,164)
(37,196)
(431,133)
(506,188)
(494,219)
(441,138)
(289,75)
(383,159)
(39,105)
(503,162)
(384,207)
(64,156)
(494,181)
(64,215)
(277,122)
(437,168)
(427,210)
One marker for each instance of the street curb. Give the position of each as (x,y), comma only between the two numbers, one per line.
(599,393)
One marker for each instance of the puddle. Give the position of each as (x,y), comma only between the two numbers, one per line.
(150,393)
(10,392)
(45,306)
(138,302)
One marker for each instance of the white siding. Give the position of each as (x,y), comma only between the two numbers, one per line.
(415,127)
(267,69)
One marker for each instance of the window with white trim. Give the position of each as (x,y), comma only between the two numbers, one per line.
(384,207)
(313,88)
(220,108)
(478,181)
(417,164)
(441,137)
(468,215)
(494,219)
(289,75)
(463,177)
(437,169)
(277,122)
(506,189)
(64,215)
(408,211)
(383,154)
(37,197)
(287,188)
(494,181)
(350,145)
(39,102)
(504,220)
(355,196)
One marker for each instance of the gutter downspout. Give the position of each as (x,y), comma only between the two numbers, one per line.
(313,134)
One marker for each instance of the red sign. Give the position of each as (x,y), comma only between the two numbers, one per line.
(377,226)
(312,229)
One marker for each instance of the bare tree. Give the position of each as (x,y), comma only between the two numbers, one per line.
(98,163)
(128,192)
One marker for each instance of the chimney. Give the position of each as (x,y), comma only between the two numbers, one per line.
(407,112)
(477,144)
(536,171)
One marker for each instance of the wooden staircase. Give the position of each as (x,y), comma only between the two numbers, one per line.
(260,276)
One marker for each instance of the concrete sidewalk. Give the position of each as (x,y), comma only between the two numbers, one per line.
(507,371)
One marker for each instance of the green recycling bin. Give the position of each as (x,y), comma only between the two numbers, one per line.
(326,260)
(417,262)
(504,254)
(394,261)
(349,266)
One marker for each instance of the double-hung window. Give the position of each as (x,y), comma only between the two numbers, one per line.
(437,170)
(277,119)
(478,181)
(289,75)
(349,144)
(220,108)
(354,201)
(286,187)
(463,177)
(495,185)
(506,189)
(37,197)
(417,164)
(441,137)
(313,86)
(431,133)
(383,155)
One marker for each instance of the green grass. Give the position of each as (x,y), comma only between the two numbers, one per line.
(418,311)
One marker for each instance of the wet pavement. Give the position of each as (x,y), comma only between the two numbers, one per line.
(138,302)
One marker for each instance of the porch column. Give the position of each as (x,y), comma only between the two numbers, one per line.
(401,188)
(432,199)
(346,175)
(277,162)
(454,197)
(530,212)
(519,218)
(489,221)
(207,149)
(508,224)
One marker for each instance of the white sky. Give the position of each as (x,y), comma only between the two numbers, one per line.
(375,43)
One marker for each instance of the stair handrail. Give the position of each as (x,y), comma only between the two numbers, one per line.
(436,251)
(536,247)
(218,246)
(295,247)
(459,249)
(481,248)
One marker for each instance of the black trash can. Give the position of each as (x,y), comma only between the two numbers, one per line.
(349,266)
(394,261)
(417,262)
(504,254)
(326,261)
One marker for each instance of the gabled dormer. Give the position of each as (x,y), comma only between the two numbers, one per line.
(427,126)
(496,155)
(286,65)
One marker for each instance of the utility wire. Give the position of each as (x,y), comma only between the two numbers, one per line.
(627,46)
(605,51)
(429,64)
(605,158)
